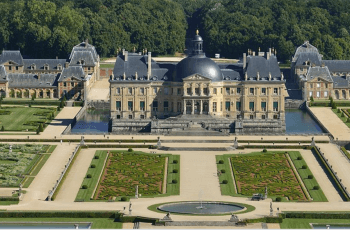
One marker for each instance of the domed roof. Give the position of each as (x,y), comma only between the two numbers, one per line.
(197,65)
(197,38)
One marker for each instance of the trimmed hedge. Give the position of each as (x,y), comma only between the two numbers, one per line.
(316,215)
(54,214)
(266,219)
(276,147)
(25,102)
(278,141)
(117,146)
(78,140)
(345,152)
(9,198)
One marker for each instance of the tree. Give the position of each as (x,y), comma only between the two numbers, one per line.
(2,128)
(311,98)
(41,129)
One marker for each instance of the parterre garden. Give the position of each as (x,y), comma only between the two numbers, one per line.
(22,164)
(117,178)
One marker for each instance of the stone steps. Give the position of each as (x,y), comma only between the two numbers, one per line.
(200,223)
(197,141)
(194,149)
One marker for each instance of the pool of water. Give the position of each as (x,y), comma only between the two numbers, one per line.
(93,121)
(299,121)
(331,226)
(200,208)
(44,226)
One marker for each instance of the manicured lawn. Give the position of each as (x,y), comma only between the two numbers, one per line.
(51,148)
(124,170)
(305,223)
(107,66)
(8,203)
(341,118)
(41,162)
(23,118)
(97,223)
(254,171)
(28,181)
(317,195)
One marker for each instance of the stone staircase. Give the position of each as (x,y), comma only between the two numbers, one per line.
(196,129)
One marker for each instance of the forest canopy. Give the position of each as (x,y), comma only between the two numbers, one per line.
(45,29)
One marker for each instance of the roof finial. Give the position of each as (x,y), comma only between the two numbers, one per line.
(259,49)
(134,49)
(197,32)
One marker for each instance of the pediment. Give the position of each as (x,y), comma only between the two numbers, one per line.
(196,77)
(320,79)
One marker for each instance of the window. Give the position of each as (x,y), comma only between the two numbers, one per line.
(89,68)
(221,90)
(118,105)
(263,106)
(166,106)
(326,84)
(178,91)
(130,116)
(318,94)
(251,91)
(263,117)
(46,67)
(130,106)
(251,106)
(166,91)
(10,67)
(238,90)
(118,116)
(311,85)
(318,85)
(142,117)
(251,116)
(188,91)
(238,106)
(155,106)
(129,90)
(178,106)
(263,91)
(64,84)
(215,91)
(325,94)
(310,94)
(214,106)
(142,91)
(72,84)
(275,116)
(275,90)
(117,91)
(205,91)
(227,91)
(172,107)
(196,90)
(221,106)
(275,106)
(16,67)
(155,90)
(142,105)
(227,105)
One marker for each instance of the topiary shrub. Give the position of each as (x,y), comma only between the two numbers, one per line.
(264,150)
(299,158)
(88,176)
(2,128)
(84,186)
(93,166)
(174,181)
(123,198)
(221,161)
(304,167)
(222,170)
(316,187)
(278,199)
(311,98)
(175,161)
(338,111)
(224,181)
(175,171)
(342,115)
(130,150)
(310,177)
(97,157)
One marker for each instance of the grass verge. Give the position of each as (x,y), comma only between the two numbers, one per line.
(28,181)
(51,148)
(341,118)
(305,223)
(40,164)
(8,203)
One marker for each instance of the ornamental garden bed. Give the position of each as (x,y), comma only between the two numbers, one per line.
(124,170)
(22,164)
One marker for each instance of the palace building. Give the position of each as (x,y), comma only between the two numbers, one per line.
(319,78)
(49,78)
(243,97)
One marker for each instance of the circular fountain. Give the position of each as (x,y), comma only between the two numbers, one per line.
(201,207)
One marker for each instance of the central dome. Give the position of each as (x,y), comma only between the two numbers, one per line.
(197,65)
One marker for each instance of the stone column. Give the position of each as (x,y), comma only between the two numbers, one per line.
(22,93)
(15,92)
(192,112)
(201,89)
(184,110)
(201,110)
(193,89)
(51,93)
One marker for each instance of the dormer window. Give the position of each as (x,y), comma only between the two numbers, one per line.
(81,62)
(46,67)
(32,67)
(59,67)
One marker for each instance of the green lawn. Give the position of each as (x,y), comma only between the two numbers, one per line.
(28,181)
(305,223)
(97,223)
(124,170)
(317,195)
(41,162)
(254,171)
(23,118)
(8,203)
(341,118)
(51,148)
(107,65)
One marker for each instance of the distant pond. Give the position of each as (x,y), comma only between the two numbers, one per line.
(93,121)
(299,121)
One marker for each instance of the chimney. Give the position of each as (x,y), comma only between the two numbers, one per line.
(253,53)
(258,76)
(123,52)
(268,54)
(124,76)
(136,76)
(149,62)
(244,60)
(66,65)
(270,77)
(126,54)
(282,76)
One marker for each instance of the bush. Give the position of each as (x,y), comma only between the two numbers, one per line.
(310,177)
(88,176)
(93,166)
(224,181)
(56,214)
(175,161)
(221,161)
(175,171)
(41,129)
(334,106)
(304,167)
(316,187)
(222,170)
(58,108)
(2,128)
(130,150)
(311,98)
(338,111)
(299,158)
(278,199)
(264,150)
(342,115)
(174,181)
(30,105)
(123,198)
(84,186)
(97,157)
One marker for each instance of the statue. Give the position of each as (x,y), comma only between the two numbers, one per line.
(313,141)
(10,149)
(137,192)
(235,144)
(167,217)
(130,208)
(82,142)
(234,218)
(159,144)
(266,192)
(271,210)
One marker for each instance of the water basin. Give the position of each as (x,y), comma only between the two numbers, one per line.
(299,121)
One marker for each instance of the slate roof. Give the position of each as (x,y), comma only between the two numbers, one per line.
(138,64)
(84,46)
(338,65)
(78,56)
(32,80)
(72,71)
(11,55)
(306,48)
(318,71)
(3,74)
(264,67)
(39,63)
(313,58)
(340,82)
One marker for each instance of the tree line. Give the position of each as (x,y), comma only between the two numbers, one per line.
(48,28)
